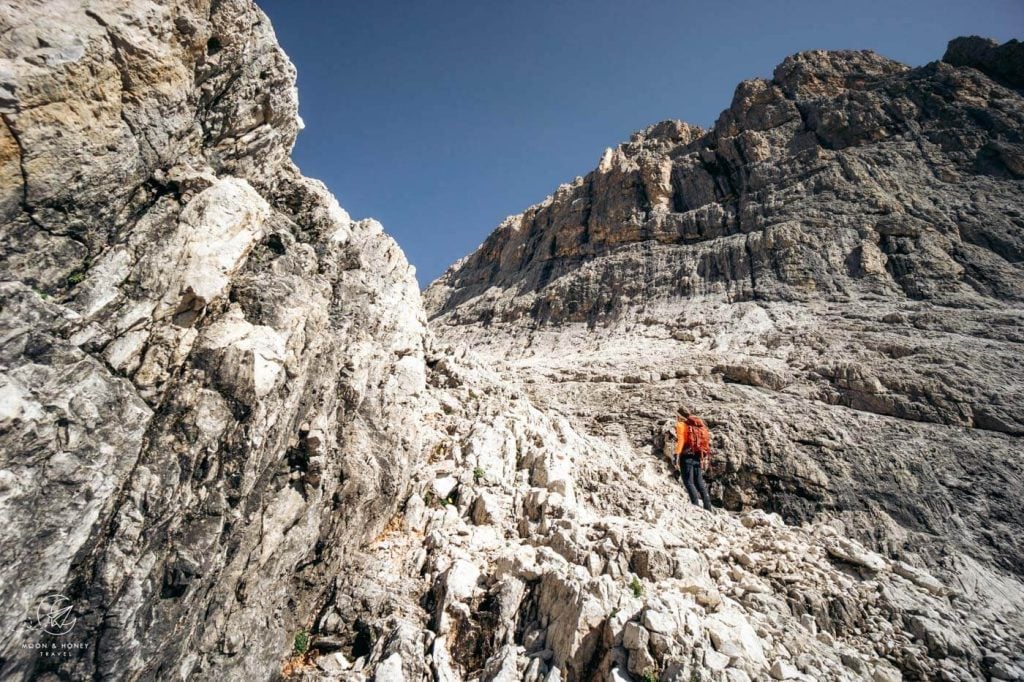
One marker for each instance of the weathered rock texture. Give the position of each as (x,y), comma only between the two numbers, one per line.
(202,356)
(529,550)
(831,275)
(223,419)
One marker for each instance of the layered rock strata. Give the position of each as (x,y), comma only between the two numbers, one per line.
(831,275)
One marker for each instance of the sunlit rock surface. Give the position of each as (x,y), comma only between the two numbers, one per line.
(203,358)
(831,276)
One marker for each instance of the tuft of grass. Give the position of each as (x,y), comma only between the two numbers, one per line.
(478,473)
(650,675)
(76,277)
(300,644)
(637,587)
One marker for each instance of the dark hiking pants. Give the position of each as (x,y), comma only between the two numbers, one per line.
(693,479)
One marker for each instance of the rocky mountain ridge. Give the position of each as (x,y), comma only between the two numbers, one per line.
(228,435)
(848,234)
(831,276)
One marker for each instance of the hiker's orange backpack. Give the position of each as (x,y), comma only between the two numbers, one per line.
(698,439)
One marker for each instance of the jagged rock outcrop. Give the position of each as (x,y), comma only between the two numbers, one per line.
(831,275)
(202,356)
(1003,62)
(531,551)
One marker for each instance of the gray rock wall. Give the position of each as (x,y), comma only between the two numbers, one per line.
(831,276)
(204,359)
(845,175)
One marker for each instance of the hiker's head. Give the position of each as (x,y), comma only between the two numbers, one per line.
(683,411)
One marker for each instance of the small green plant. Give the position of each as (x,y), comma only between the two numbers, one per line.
(614,612)
(637,588)
(300,645)
(650,675)
(40,293)
(76,277)
(478,474)
(435,502)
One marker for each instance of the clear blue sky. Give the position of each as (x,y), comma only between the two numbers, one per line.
(439,118)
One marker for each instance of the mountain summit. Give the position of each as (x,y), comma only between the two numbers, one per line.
(831,275)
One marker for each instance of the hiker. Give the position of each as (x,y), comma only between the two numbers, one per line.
(693,453)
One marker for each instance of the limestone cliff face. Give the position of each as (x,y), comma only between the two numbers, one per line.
(846,175)
(831,275)
(201,353)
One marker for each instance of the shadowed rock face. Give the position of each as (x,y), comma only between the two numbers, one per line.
(831,276)
(202,355)
(1002,62)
